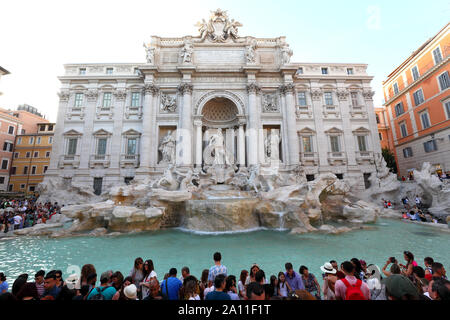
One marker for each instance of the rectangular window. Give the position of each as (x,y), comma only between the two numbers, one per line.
(377,117)
(11,130)
(10,187)
(98,186)
(362,143)
(437,56)
(2,180)
(22,186)
(403,129)
(38,140)
(33,170)
(328,98)
(50,127)
(13,170)
(354,96)
(28,154)
(47,154)
(25,170)
(5,164)
(107,98)
(82,71)
(415,73)
(381,136)
(45,169)
(7,146)
(447,109)
(101,146)
(72,149)
(109,70)
(36,154)
(407,152)
(302,98)
(425,118)
(307,144)
(78,100)
(349,71)
(131,147)
(395,88)
(16,155)
(42,128)
(135,99)
(324,70)
(418,97)
(31,140)
(50,140)
(31,188)
(300,71)
(19,140)
(399,109)
(444,81)
(430,146)
(335,147)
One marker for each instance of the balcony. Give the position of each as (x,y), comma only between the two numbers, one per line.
(358,112)
(365,156)
(331,112)
(304,112)
(129,159)
(101,160)
(337,158)
(309,158)
(75,112)
(133,111)
(107,112)
(69,160)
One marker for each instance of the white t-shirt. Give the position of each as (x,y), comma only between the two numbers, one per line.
(283,292)
(208,290)
(233,295)
(241,287)
(17,220)
(197,297)
(145,290)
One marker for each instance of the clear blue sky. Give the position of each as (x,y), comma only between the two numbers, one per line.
(38,37)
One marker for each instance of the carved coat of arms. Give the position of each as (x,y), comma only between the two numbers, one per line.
(219,28)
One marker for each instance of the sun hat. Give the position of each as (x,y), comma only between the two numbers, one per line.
(328,268)
(72,282)
(398,285)
(130,292)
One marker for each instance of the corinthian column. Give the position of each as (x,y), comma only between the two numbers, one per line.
(184,131)
(252,129)
(291,121)
(150,91)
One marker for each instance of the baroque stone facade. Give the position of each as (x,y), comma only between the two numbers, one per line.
(215,98)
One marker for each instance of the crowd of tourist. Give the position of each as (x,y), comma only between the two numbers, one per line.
(20,214)
(351,280)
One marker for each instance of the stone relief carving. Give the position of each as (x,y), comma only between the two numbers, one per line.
(120,94)
(91,95)
(270,103)
(167,147)
(168,103)
(368,94)
(149,54)
(316,94)
(219,28)
(186,52)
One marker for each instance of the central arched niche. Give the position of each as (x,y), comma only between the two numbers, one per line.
(220,112)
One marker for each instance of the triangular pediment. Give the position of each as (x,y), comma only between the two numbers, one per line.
(72,132)
(131,132)
(361,130)
(102,132)
(334,130)
(307,130)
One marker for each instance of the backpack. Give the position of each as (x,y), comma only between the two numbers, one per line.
(99,295)
(353,291)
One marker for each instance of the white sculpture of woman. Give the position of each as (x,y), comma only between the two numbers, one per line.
(150,54)
(251,58)
(167,148)
(286,53)
(217,143)
(186,53)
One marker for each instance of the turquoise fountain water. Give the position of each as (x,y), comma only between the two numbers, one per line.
(270,249)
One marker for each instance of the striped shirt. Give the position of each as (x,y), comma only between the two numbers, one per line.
(40,289)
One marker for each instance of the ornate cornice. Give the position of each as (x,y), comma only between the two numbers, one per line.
(253,88)
(151,89)
(316,94)
(185,88)
(64,96)
(287,88)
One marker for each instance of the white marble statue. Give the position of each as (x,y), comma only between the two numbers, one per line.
(168,181)
(250,54)
(186,53)
(150,54)
(217,145)
(167,148)
(286,54)
(275,144)
(253,179)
